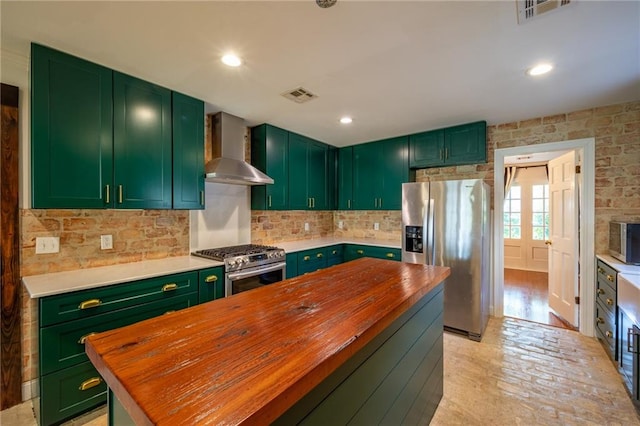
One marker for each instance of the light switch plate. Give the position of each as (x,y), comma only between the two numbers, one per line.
(376,226)
(306,226)
(45,245)
(106,242)
(340,224)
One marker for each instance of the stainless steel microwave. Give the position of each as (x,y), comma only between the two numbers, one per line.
(624,242)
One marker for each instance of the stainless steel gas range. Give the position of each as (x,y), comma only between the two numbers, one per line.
(248,266)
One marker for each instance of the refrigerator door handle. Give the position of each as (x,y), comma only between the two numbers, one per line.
(428,233)
(432,232)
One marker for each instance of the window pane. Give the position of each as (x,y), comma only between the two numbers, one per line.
(546,220)
(537,219)
(505,219)
(546,204)
(546,191)
(538,206)
(515,219)
(506,232)
(506,205)
(515,205)
(537,191)
(546,233)
(515,232)
(538,233)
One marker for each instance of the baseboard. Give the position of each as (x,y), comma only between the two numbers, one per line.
(30,390)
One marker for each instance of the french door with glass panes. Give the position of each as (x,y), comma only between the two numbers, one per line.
(526,226)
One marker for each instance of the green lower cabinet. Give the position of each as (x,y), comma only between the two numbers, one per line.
(69,392)
(335,254)
(210,284)
(355,251)
(311,260)
(292,265)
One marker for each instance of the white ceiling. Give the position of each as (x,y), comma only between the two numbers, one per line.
(395,67)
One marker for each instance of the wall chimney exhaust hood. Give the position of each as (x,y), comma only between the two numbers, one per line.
(227,166)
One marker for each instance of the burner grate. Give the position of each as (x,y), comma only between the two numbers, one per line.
(231,251)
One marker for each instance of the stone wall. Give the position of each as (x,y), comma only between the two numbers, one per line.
(271,227)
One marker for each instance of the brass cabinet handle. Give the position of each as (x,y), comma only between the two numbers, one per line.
(83,338)
(441,154)
(211,279)
(608,334)
(391,255)
(380,203)
(599,320)
(319,255)
(348,204)
(610,278)
(446,153)
(334,252)
(360,251)
(107,198)
(91,303)
(600,270)
(169,287)
(269,198)
(120,194)
(169,312)
(306,258)
(610,302)
(600,291)
(202,198)
(308,202)
(91,383)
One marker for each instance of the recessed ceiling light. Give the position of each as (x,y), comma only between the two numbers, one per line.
(540,69)
(231,60)
(346,120)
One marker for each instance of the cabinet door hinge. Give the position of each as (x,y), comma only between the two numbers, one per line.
(578,169)
(577,300)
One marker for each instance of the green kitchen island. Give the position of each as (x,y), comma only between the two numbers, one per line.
(358,343)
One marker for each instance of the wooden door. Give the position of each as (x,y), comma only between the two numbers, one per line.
(563,241)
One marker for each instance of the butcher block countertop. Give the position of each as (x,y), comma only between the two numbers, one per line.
(249,357)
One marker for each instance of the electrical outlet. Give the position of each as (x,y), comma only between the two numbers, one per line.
(340,224)
(46,245)
(306,226)
(376,226)
(106,242)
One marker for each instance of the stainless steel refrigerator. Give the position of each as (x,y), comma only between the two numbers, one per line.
(447,224)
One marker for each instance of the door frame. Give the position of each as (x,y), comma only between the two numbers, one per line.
(586,180)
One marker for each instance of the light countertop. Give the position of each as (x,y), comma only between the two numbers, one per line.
(64,282)
(622,268)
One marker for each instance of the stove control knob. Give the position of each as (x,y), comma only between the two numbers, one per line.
(232,263)
(244,260)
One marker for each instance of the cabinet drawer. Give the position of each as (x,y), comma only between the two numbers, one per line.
(606,328)
(87,303)
(70,392)
(357,251)
(335,255)
(62,345)
(210,284)
(607,274)
(606,295)
(311,260)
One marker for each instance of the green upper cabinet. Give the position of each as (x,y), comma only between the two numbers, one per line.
(141,144)
(188,152)
(332,177)
(463,144)
(379,170)
(269,153)
(71,131)
(308,173)
(345,178)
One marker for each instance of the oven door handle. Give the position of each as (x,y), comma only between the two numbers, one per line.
(253,272)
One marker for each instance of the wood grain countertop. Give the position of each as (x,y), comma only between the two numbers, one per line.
(247,358)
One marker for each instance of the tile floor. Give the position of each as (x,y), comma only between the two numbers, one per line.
(522,373)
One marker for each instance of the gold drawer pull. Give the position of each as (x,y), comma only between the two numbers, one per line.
(608,334)
(107,193)
(169,287)
(390,255)
(169,312)
(319,255)
(91,303)
(83,338)
(334,252)
(211,279)
(610,302)
(360,251)
(306,258)
(599,320)
(610,278)
(91,383)
(600,291)
(600,270)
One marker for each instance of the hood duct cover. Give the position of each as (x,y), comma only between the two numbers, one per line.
(227,136)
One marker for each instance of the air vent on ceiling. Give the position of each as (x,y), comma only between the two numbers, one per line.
(299,95)
(529,9)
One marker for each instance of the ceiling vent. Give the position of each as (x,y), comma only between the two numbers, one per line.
(299,95)
(529,9)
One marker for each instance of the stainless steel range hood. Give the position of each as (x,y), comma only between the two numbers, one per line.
(227,135)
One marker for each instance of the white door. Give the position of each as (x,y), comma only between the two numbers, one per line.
(563,237)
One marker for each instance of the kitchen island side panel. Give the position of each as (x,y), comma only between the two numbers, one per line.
(396,379)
